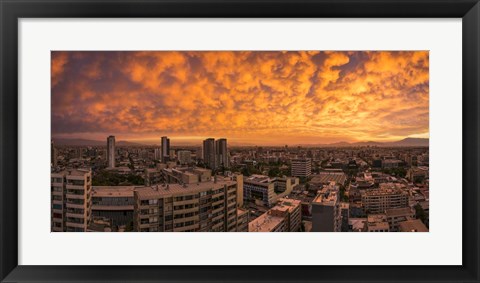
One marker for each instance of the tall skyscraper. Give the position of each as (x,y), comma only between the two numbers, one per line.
(111,152)
(221,153)
(165,149)
(209,153)
(53,157)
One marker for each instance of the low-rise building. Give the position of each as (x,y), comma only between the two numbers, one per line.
(388,196)
(285,216)
(396,215)
(377,223)
(263,189)
(413,225)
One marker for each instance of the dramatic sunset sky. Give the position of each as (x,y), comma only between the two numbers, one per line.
(263,98)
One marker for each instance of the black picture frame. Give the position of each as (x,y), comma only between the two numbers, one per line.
(11,11)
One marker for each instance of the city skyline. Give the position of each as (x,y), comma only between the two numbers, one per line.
(260,98)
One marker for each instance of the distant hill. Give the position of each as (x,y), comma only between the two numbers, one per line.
(407,142)
(84,142)
(411,142)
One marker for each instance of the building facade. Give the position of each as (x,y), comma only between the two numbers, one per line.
(184,157)
(165,147)
(71,200)
(301,167)
(286,216)
(209,153)
(327,211)
(114,203)
(388,196)
(111,152)
(221,153)
(199,207)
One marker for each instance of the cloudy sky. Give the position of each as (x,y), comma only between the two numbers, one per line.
(269,98)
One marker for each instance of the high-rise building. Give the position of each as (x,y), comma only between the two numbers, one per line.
(111,152)
(157,154)
(326,210)
(53,157)
(165,149)
(301,167)
(209,153)
(242,220)
(221,153)
(209,206)
(114,203)
(71,200)
(184,157)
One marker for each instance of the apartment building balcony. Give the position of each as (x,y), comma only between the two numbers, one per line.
(74,205)
(218,225)
(218,209)
(186,210)
(185,228)
(218,217)
(75,196)
(75,215)
(218,202)
(218,195)
(184,202)
(231,218)
(75,187)
(57,229)
(75,225)
(186,219)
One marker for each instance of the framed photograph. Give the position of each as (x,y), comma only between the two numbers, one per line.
(177,136)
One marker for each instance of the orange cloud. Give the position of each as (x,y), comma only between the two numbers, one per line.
(251,96)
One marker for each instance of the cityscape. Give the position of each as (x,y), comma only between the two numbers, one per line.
(230,141)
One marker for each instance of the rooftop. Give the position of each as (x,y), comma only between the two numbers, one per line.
(327,177)
(414,225)
(326,199)
(394,212)
(285,204)
(264,223)
(387,189)
(159,191)
(112,191)
(73,172)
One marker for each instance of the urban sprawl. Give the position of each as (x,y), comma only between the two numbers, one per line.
(213,187)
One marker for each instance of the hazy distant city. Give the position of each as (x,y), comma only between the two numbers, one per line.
(358,166)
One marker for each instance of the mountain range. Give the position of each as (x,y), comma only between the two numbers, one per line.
(407,142)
